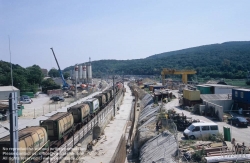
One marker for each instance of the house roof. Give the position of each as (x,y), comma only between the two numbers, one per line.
(8,88)
(219,85)
(209,97)
(242,89)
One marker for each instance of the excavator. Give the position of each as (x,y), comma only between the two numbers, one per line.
(184,74)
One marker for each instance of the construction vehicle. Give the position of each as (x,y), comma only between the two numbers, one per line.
(65,85)
(184,74)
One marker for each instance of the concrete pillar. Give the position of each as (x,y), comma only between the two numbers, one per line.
(96,132)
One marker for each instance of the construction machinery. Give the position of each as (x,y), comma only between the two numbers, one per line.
(184,74)
(65,84)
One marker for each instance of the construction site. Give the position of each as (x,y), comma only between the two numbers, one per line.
(163,112)
(143,120)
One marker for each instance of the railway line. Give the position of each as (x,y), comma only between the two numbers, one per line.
(40,147)
(63,150)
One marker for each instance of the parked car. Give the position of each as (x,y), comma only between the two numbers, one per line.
(23,97)
(197,130)
(26,101)
(57,98)
(248,120)
(238,121)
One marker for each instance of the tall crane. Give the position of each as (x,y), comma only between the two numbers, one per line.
(65,84)
(184,74)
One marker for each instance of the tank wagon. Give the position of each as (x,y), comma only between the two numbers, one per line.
(81,114)
(111,92)
(59,127)
(102,100)
(93,105)
(32,141)
(36,140)
(107,95)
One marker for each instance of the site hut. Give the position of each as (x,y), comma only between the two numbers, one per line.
(4,100)
(5,92)
(241,99)
(215,105)
(146,85)
(191,97)
(155,87)
(215,89)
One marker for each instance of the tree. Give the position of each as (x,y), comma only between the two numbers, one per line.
(49,84)
(34,74)
(54,73)
(66,75)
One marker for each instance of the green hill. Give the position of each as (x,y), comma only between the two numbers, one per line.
(226,60)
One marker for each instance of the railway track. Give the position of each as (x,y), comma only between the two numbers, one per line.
(60,152)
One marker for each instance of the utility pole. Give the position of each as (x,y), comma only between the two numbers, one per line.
(114,92)
(76,70)
(14,143)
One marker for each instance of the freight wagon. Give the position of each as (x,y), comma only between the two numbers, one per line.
(111,92)
(59,127)
(93,105)
(102,100)
(32,141)
(35,141)
(81,114)
(107,95)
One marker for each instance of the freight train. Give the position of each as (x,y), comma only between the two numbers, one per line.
(36,141)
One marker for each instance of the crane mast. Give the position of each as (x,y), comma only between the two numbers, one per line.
(65,84)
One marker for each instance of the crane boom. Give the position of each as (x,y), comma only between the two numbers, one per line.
(65,84)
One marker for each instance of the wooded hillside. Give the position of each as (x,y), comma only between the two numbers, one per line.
(226,60)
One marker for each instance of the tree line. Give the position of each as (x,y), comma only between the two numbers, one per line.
(227,60)
(25,79)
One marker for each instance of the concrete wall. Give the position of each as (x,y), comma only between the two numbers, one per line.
(110,114)
(121,152)
(217,108)
(226,104)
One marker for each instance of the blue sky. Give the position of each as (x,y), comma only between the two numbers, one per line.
(114,29)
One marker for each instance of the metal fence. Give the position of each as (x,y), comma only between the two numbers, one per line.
(53,106)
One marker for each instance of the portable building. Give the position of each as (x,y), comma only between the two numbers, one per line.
(6,90)
(241,98)
(204,89)
(241,95)
(192,95)
(146,85)
(220,89)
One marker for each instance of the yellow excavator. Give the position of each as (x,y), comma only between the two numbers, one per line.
(184,74)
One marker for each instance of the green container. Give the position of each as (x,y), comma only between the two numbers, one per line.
(30,94)
(227,133)
(20,110)
(204,89)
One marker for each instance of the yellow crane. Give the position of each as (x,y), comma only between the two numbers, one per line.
(184,74)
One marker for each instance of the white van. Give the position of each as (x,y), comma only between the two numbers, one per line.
(198,130)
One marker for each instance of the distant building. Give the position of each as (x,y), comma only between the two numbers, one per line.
(45,72)
(215,88)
